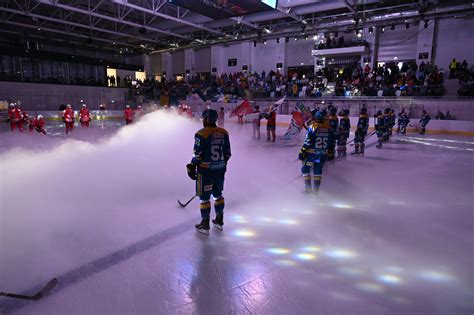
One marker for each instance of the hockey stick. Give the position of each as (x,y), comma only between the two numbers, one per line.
(183,205)
(51,284)
(367,137)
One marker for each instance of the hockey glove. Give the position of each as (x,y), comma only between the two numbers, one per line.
(302,155)
(192,172)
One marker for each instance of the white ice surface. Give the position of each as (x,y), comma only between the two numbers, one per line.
(390,233)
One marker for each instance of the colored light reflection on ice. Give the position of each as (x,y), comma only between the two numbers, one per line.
(389,279)
(436,276)
(341,205)
(313,249)
(243,233)
(340,253)
(288,221)
(369,287)
(305,256)
(239,219)
(278,250)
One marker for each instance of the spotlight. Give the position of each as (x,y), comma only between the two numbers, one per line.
(287,39)
(357,20)
(306,37)
(254,43)
(336,34)
(264,41)
(392,27)
(296,38)
(315,37)
(426,24)
(371,30)
(303,28)
(382,29)
(407,25)
(278,40)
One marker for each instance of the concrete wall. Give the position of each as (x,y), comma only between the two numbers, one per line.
(455,38)
(202,58)
(298,53)
(35,96)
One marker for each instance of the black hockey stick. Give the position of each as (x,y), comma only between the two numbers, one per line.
(367,137)
(51,284)
(183,205)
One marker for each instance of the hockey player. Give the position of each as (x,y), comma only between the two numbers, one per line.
(221,118)
(128,115)
(361,132)
(379,128)
(39,124)
(16,118)
(313,154)
(400,114)
(403,122)
(386,117)
(271,125)
(208,166)
(84,116)
(424,120)
(391,121)
(68,118)
(333,122)
(344,130)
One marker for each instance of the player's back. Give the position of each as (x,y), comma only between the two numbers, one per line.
(212,148)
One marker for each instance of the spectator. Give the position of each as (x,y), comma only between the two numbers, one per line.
(439,116)
(452,68)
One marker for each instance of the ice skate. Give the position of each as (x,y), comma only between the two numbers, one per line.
(203,227)
(219,221)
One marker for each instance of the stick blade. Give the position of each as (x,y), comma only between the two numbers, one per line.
(181,204)
(48,287)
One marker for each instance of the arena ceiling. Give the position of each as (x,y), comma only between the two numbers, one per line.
(160,25)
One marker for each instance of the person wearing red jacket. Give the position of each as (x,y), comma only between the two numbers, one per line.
(128,115)
(68,118)
(16,118)
(271,126)
(39,124)
(84,116)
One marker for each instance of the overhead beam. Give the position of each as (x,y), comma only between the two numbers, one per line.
(110,18)
(69,34)
(240,19)
(89,27)
(165,16)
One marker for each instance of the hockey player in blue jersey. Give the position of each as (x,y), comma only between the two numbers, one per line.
(387,120)
(380,128)
(314,151)
(208,166)
(424,120)
(403,122)
(361,132)
(334,123)
(399,121)
(344,130)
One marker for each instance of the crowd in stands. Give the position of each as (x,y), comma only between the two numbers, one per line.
(465,75)
(390,80)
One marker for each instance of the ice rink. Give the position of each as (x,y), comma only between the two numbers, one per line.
(390,233)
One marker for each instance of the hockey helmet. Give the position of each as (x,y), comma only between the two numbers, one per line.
(387,110)
(127,106)
(332,110)
(363,110)
(210,114)
(40,116)
(346,112)
(379,112)
(320,115)
(68,106)
(84,105)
